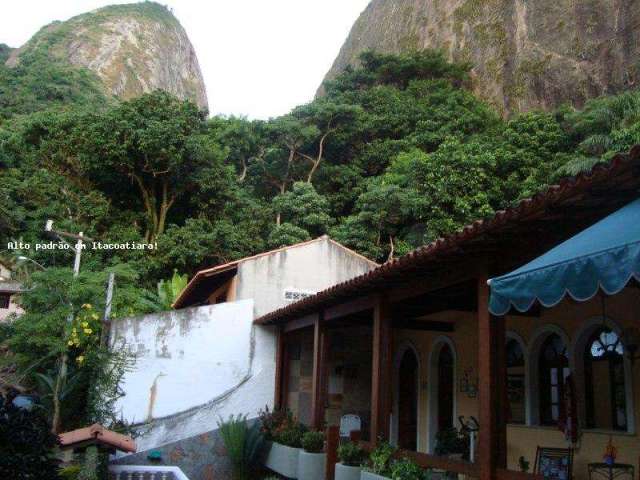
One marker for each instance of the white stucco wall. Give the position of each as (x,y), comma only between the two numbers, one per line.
(311,267)
(206,363)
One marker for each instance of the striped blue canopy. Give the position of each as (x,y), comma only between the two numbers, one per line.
(604,256)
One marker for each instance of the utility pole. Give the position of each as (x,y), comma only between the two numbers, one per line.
(104,335)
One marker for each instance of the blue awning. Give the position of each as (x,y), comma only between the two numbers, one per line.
(604,256)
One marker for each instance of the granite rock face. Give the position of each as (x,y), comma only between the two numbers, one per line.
(132,49)
(525,54)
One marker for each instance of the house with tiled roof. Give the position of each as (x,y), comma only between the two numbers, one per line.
(526,322)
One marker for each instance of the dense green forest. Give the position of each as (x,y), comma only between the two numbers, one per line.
(396,153)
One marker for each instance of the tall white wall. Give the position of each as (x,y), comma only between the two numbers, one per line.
(192,367)
(313,266)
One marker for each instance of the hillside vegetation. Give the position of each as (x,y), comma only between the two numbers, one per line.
(397,153)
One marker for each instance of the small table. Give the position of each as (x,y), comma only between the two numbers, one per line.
(611,471)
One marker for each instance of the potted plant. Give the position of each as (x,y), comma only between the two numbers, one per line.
(351,456)
(312,459)
(405,469)
(285,434)
(379,467)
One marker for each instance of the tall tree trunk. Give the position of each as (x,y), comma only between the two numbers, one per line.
(56,421)
(318,159)
(164,208)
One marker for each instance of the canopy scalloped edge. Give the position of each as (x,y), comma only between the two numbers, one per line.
(609,271)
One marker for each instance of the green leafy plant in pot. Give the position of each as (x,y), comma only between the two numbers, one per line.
(380,459)
(313,442)
(405,469)
(351,454)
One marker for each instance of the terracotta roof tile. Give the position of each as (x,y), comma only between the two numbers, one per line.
(100,435)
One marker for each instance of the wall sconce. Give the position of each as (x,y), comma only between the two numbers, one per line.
(469,383)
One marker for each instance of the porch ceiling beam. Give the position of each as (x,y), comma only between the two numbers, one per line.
(357,305)
(423,325)
(433,280)
(301,322)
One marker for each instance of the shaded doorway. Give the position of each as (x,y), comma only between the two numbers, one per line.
(445,388)
(408,401)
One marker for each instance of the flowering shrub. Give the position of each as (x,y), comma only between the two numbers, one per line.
(84,332)
(282,427)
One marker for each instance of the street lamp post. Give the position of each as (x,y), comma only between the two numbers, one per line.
(27,259)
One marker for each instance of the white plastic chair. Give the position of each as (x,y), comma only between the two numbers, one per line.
(349,423)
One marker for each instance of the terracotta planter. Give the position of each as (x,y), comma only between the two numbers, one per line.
(347,472)
(283,460)
(372,476)
(311,465)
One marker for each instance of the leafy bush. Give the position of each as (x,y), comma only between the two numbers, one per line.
(272,420)
(282,427)
(313,442)
(26,444)
(70,473)
(380,459)
(243,444)
(351,454)
(290,434)
(405,469)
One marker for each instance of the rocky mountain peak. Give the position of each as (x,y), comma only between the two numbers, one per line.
(525,54)
(132,48)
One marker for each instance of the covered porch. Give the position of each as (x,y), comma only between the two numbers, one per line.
(412,346)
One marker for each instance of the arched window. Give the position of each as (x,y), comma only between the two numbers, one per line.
(604,378)
(515,382)
(445,388)
(553,367)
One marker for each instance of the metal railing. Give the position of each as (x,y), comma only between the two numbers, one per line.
(145,472)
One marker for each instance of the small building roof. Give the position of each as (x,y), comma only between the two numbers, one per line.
(575,202)
(208,279)
(96,434)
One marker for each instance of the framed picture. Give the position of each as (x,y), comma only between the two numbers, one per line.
(554,463)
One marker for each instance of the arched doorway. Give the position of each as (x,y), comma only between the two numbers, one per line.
(445,388)
(408,401)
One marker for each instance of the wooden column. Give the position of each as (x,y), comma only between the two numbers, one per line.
(282,371)
(491,341)
(333,440)
(320,346)
(381,371)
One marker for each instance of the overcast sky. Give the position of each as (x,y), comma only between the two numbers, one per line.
(259,58)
